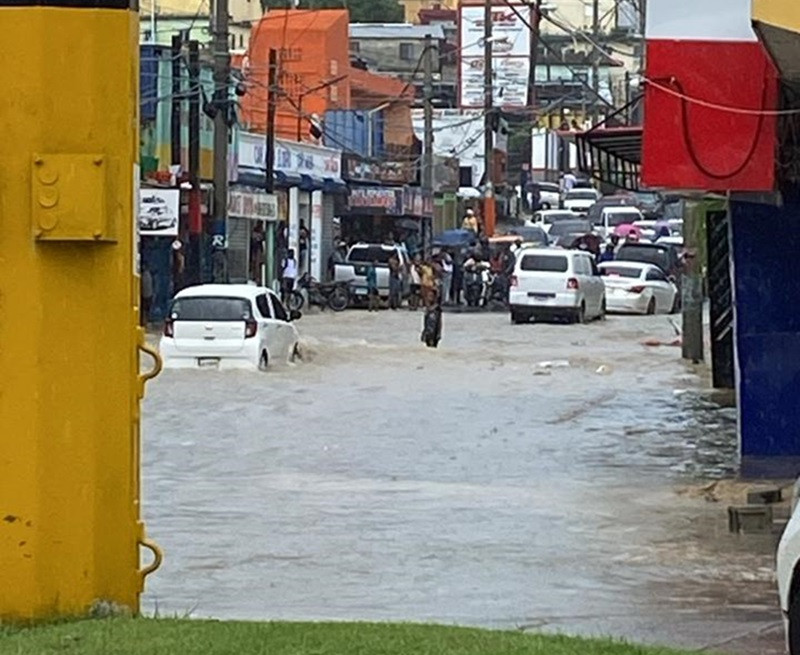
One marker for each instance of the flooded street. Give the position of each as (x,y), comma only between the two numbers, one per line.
(517,477)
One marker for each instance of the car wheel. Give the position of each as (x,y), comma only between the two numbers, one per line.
(263,361)
(580,316)
(545,205)
(651,307)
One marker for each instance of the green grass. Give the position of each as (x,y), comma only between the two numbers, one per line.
(194,637)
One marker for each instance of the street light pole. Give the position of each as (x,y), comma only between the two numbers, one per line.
(488,146)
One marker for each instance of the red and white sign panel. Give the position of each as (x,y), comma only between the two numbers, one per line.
(510,55)
(702,54)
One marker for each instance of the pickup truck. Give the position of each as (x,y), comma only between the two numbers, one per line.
(354,268)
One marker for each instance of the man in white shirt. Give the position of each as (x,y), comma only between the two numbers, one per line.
(288,275)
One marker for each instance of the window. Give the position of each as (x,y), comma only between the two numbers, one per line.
(544,263)
(279,309)
(658,276)
(563,228)
(622,271)
(211,308)
(615,219)
(407,51)
(582,266)
(369,254)
(241,38)
(262,302)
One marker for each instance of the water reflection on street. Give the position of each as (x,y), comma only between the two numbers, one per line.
(518,476)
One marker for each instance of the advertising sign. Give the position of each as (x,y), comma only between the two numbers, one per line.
(510,56)
(158,212)
(255,205)
(290,158)
(376,199)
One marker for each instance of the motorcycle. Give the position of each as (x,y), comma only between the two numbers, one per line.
(474,284)
(335,295)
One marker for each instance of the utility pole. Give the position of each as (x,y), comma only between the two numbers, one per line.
(195,217)
(176,52)
(692,281)
(488,146)
(427,162)
(533,55)
(595,62)
(269,154)
(222,65)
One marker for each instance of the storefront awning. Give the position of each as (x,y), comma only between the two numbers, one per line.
(612,155)
(255,178)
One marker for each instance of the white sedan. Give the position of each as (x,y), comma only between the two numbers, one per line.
(636,288)
(228,325)
(788,574)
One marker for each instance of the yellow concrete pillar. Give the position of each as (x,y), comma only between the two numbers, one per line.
(70,386)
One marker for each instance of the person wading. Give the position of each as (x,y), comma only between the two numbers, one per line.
(288,275)
(395,281)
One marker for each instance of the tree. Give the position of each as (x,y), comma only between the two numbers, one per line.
(361,11)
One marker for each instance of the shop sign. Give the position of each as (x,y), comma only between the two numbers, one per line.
(290,158)
(390,172)
(417,202)
(387,201)
(255,205)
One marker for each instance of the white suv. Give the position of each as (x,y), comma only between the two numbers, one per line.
(556,283)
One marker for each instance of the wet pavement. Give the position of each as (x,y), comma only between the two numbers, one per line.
(517,477)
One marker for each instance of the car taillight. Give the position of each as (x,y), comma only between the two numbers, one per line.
(513,281)
(169,328)
(636,289)
(250,328)
(572,283)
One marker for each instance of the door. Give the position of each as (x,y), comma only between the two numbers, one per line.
(284,328)
(662,289)
(587,283)
(599,285)
(269,327)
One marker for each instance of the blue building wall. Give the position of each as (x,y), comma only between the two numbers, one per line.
(766,276)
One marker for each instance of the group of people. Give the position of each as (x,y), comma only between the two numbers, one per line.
(429,280)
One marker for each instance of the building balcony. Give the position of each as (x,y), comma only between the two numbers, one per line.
(777,23)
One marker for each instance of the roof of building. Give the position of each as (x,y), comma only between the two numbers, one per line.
(394,31)
(382,87)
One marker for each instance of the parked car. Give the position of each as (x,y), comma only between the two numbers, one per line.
(359,257)
(617,200)
(580,200)
(651,203)
(665,256)
(549,195)
(788,574)
(530,234)
(556,283)
(546,217)
(564,232)
(612,217)
(228,325)
(633,287)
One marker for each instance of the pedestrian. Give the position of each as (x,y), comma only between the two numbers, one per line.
(607,255)
(447,277)
(338,256)
(303,239)
(147,296)
(470,222)
(415,286)
(372,286)
(427,275)
(395,281)
(288,275)
(458,277)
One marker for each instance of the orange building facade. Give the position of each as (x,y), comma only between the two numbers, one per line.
(313,69)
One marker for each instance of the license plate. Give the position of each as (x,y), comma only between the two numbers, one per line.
(541,296)
(208,362)
(361,292)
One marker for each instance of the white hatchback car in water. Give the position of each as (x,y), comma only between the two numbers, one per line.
(228,325)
